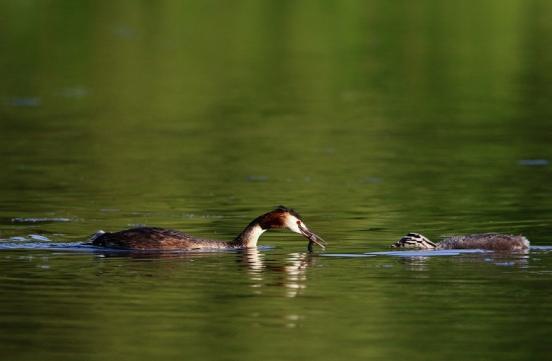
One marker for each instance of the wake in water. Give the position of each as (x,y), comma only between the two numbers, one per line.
(39,242)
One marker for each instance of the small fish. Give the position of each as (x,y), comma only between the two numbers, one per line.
(314,239)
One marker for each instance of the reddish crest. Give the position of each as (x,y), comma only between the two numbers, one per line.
(276,218)
(287,210)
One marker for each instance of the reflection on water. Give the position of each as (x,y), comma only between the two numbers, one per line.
(418,259)
(292,272)
(253,260)
(296,273)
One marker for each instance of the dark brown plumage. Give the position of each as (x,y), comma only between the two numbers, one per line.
(152,238)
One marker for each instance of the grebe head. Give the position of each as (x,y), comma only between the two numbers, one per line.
(283,217)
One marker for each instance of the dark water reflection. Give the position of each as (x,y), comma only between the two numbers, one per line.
(371,118)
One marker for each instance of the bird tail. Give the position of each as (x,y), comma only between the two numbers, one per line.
(94,237)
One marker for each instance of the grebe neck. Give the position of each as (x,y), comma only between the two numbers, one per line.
(249,236)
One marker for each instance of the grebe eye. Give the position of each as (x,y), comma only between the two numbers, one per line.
(299,222)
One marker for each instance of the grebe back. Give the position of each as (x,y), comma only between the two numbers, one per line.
(488,241)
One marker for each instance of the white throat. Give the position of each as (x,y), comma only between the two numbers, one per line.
(251,236)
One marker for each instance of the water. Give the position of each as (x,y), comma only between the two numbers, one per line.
(372,119)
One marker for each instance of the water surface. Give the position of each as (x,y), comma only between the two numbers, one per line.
(371,118)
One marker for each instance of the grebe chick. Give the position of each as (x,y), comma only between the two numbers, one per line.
(151,238)
(489,241)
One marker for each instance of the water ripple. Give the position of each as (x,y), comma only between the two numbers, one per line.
(40,220)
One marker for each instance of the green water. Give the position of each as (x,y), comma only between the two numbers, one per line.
(371,118)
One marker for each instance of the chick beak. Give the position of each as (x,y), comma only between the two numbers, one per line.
(312,237)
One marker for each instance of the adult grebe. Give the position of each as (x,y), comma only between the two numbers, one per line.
(150,238)
(490,241)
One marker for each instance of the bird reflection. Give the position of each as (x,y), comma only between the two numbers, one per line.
(296,271)
(291,274)
(517,259)
(253,260)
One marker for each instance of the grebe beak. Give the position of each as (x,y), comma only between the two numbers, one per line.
(312,237)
